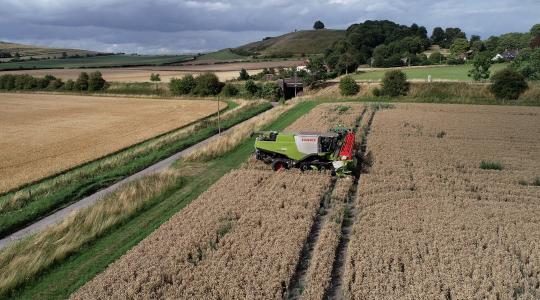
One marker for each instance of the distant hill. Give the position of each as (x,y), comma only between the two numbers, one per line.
(295,43)
(27,51)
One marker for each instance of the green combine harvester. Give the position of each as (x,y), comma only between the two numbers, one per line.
(333,151)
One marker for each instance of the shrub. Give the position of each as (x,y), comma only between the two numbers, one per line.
(508,84)
(491,165)
(81,84)
(207,84)
(7,82)
(96,81)
(395,84)
(348,86)
(251,87)
(376,92)
(182,86)
(55,84)
(270,91)
(436,57)
(229,90)
(69,85)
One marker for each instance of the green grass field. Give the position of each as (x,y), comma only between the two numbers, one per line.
(68,275)
(224,54)
(458,72)
(96,62)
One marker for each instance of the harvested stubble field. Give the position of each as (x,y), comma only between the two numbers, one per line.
(240,239)
(45,134)
(431,223)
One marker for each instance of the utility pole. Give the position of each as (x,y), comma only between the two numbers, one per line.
(295,79)
(218,117)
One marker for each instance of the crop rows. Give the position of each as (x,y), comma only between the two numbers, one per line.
(319,273)
(432,223)
(240,239)
(327,116)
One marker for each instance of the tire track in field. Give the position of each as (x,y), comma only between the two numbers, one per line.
(335,289)
(297,283)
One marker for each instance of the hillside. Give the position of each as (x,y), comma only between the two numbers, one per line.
(26,51)
(300,42)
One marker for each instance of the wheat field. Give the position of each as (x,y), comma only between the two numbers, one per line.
(241,239)
(45,134)
(433,224)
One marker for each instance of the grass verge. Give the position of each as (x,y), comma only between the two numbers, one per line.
(20,208)
(68,272)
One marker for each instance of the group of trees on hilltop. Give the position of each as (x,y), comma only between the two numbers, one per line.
(388,44)
(85,82)
(384,41)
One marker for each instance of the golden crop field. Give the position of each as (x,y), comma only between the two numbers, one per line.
(45,134)
(432,223)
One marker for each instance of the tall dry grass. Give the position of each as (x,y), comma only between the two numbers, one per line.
(23,260)
(233,138)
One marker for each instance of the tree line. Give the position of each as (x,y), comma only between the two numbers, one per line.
(85,82)
(388,44)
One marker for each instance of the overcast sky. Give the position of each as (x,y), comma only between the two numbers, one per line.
(176,26)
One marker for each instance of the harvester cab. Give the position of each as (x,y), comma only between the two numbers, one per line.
(334,150)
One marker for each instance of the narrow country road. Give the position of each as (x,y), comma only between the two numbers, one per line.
(89,200)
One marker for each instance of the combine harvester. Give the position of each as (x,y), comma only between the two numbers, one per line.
(333,151)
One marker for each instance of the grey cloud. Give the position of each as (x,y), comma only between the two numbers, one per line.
(200,25)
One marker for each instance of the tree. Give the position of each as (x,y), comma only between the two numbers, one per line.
(348,86)
(535,30)
(316,66)
(394,84)
(508,84)
(480,69)
(243,75)
(451,34)
(473,39)
(96,81)
(318,25)
(438,36)
(459,46)
(182,86)
(207,84)
(155,78)
(81,84)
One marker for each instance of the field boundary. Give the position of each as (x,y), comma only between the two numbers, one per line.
(109,155)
